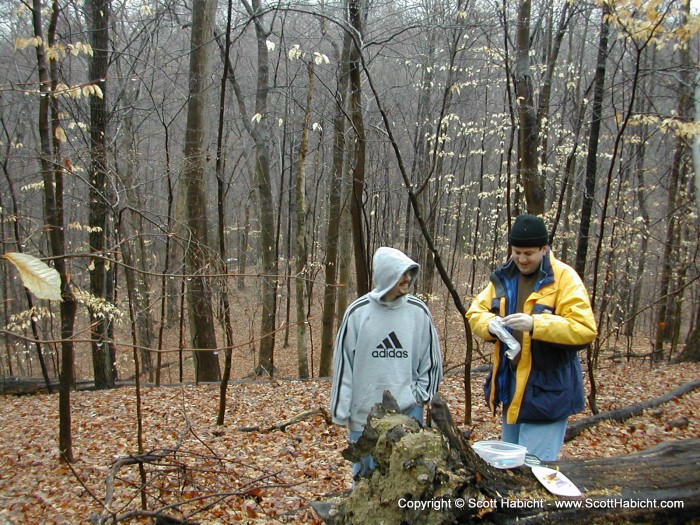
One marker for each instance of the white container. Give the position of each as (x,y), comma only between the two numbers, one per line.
(500,454)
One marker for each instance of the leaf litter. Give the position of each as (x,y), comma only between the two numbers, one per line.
(222,474)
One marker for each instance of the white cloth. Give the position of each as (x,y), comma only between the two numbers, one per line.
(497,328)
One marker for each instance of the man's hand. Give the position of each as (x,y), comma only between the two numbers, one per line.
(494,325)
(520,322)
(498,328)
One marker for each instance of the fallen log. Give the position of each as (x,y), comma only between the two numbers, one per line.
(625,413)
(667,474)
(26,385)
(431,476)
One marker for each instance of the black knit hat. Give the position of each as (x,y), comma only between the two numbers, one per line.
(528,231)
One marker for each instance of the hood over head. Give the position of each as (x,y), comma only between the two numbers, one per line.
(388,266)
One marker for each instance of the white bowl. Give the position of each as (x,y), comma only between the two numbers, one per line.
(500,454)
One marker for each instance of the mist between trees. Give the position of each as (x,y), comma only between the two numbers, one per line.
(210,179)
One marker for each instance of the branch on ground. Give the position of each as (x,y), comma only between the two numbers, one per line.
(623,414)
(296,419)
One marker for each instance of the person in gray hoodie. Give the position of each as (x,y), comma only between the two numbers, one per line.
(386,341)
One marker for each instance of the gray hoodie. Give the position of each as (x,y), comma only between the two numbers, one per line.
(384,345)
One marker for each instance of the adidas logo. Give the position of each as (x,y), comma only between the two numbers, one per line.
(390,348)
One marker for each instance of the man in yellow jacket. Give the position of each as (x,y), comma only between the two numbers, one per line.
(537,310)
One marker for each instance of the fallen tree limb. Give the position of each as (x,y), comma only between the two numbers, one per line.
(623,414)
(296,419)
(163,518)
(174,473)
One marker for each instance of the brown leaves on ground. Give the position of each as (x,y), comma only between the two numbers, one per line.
(214,474)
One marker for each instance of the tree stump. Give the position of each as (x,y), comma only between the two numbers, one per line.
(432,476)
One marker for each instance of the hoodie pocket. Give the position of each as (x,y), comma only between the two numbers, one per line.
(374,393)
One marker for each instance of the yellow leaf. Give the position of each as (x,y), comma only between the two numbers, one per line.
(60,134)
(42,280)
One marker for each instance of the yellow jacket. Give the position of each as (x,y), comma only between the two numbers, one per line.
(548,377)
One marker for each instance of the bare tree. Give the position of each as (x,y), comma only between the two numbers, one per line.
(593,142)
(528,131)
(362,267)
(668,320)
(302,257)
(335,211)
(103,351)
(199,290)
(257,127)
(52,172)
(221,195)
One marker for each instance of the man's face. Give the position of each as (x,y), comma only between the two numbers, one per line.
(401,288)
(528,260)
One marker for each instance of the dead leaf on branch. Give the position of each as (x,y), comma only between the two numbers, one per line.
(39,278)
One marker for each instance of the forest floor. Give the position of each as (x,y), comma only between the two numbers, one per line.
(230,474)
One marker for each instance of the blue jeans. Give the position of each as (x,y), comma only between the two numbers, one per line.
(544,440)
(367,463)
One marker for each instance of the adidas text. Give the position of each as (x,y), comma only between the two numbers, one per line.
(397,354)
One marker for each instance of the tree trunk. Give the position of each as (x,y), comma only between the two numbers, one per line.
(362,264)
(592,352)
(52,175)
(423,169)
(623,414)
(335,210)
(691,352)
(567,197)
(263,182)
(199,292)
(593,140)
(640,192)
(221,191)
(665,321)
(98,14)
(544,123)
(345,247)
(589,195)
(168,252)
(257,128)
(528,133)
(138,281)
(696,144)
(243,228)
(302,271)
